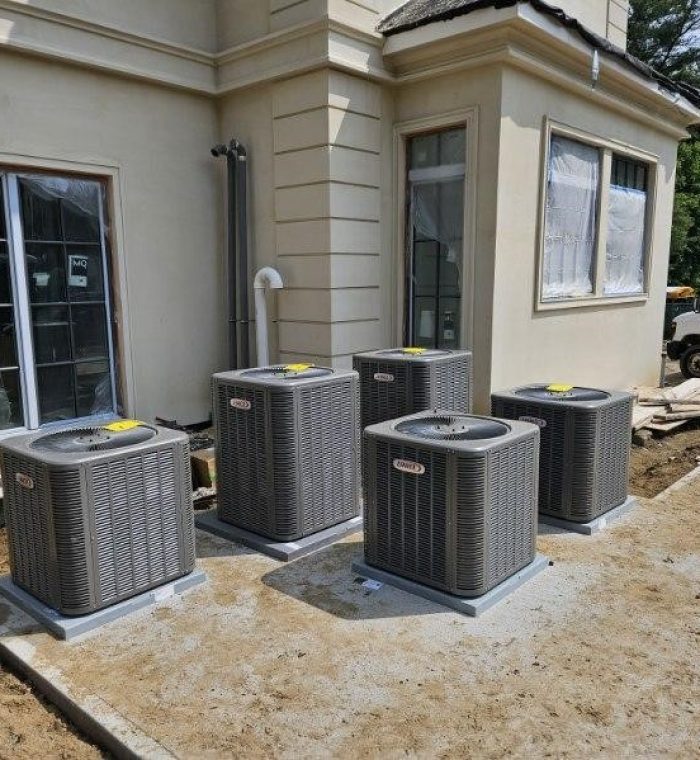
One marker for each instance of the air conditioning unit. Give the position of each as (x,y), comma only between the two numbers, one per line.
(451,500)
(400,381)
(585,446)
(287,441)
(97,515)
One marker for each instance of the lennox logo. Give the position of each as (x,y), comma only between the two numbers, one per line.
(412,468)
(534,420)
(24,480)
(383,377)
(240,403)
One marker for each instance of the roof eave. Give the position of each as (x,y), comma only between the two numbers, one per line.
(537,31)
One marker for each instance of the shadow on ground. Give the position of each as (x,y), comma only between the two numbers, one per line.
(209,545)
(325,580)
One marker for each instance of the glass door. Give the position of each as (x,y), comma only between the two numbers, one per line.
(436,178)
(58,253)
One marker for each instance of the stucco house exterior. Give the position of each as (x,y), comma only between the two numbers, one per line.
(496,175)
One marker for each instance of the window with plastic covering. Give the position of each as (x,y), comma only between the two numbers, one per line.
(596,220)
(57,301)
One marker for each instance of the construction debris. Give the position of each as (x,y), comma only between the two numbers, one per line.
(663,410)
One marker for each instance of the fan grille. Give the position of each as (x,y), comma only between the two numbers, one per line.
(453,428)
(422,353)
(84,440)
(288,372)
(545,393)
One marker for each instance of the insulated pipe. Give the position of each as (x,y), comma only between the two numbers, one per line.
(232,241)
(267,277)
(242,229)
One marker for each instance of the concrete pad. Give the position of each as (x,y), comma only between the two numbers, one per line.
(285,551)
(594,526)
(66,627)
(474,606)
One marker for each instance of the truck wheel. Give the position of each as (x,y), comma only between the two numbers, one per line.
(690,362)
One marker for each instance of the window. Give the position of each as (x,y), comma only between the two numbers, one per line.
(627,210)
(53,285)
(436,173)
(595,219)
(571,219)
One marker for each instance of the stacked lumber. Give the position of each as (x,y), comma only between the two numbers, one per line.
(666,409)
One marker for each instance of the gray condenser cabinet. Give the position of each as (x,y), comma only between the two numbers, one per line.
(287,441)
(399,381)
(451,500)
(95,516)
(585,449)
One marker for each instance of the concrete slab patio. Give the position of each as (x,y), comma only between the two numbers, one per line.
(595,655)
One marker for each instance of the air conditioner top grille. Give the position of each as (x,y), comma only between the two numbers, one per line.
(562,393)
(84,440)
(287,372)
(453,428)
(422,353)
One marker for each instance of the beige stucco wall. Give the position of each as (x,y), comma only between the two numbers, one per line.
(608,18)
(186,22)
(168,251)
(605,346)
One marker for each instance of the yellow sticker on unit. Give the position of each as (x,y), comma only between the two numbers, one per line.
(560,388)
(297,367)
(415,351)
(121,425)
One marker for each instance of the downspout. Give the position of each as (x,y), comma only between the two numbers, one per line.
(242,229)
(237,251)
(267,277)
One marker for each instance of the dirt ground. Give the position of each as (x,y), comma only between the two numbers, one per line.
(29,726)
(663,461)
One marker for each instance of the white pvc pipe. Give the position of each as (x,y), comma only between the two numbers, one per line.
(267,277)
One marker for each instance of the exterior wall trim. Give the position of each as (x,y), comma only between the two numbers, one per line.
(469,119)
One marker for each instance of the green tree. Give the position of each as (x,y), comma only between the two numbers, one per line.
(666,35)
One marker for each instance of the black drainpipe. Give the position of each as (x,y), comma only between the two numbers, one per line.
(237,248)
(242,228)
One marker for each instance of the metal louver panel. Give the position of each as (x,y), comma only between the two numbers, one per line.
(280,447)
(243,481)
(408,515)
(453,384)
(28,519)
(137,524)
(383,400)
(73,562)
(328,467)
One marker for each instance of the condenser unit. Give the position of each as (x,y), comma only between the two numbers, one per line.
(585,449)
(287,441)
(451,500)
(97,515)
(400,381)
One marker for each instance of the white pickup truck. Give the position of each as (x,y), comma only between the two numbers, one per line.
(685,341)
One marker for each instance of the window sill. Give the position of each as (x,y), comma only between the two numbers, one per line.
(590,302)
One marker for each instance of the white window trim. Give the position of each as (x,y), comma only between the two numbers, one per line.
(17,166)
(607,147)
(403,131)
